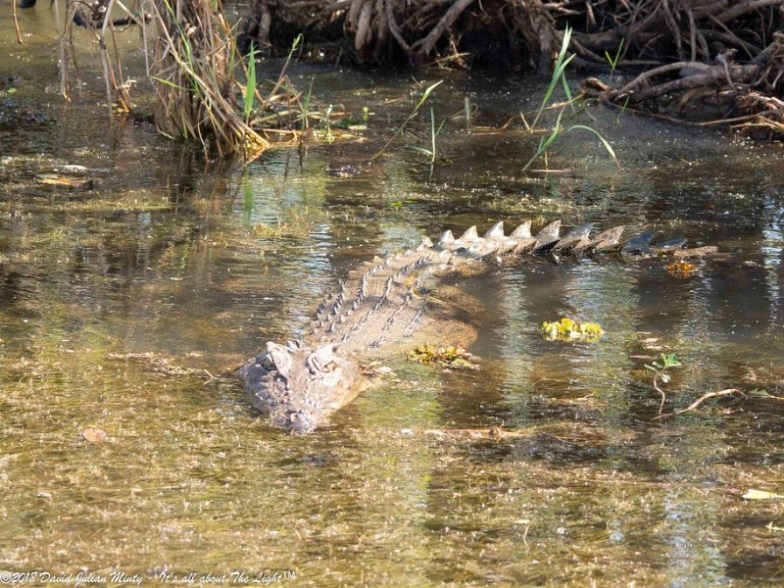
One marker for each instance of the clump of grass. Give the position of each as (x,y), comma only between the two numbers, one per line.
(205,90)
(194,82)
(286,112)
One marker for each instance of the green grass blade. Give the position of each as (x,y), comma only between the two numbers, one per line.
(250,85)
(561,62)
(598,135)
(422,100)
(425,96)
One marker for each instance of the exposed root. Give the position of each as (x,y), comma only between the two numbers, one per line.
(703,60)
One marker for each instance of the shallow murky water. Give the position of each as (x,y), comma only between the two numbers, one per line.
(581,484)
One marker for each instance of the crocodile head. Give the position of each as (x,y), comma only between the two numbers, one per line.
(298,387)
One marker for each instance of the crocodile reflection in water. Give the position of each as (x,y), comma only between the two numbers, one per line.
(385,302)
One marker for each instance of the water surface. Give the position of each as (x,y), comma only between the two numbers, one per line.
(199,265)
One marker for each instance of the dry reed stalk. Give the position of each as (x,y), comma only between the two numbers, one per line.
(194,79)
(96,18)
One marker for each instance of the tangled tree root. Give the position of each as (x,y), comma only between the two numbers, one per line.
(418,31)
(704,59)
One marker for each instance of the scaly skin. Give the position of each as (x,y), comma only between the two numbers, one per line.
(299,385)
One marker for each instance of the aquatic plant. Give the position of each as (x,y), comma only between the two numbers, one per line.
(194,82)
(434,132)
(250,86)
(567,329)
(558,75)
(557,130)
(206,91)
(614,59)
(660,374)
(450,356)
(412,116)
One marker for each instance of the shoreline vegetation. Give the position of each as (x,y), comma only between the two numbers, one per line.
(712,61)
(709,62)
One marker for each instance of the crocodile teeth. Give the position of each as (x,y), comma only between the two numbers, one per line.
(447,238)
(496,231)
(522,232)
(470,234)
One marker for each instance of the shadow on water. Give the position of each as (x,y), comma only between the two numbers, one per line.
(547,466)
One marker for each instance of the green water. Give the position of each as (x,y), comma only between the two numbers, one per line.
(200,265)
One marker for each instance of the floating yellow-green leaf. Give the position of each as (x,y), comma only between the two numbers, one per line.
(450,356)
(681,269)
(567,329)
(762,495)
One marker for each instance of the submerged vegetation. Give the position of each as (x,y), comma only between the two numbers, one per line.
(661,374)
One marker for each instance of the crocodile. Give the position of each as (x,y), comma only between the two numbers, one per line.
(385,302)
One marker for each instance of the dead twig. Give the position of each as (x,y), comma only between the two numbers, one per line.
(708,395)
(701,399)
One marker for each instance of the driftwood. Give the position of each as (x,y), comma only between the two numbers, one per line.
(721,59)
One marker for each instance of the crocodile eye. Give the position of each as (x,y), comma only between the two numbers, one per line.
(267,363)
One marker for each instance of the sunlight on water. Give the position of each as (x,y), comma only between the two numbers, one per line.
(125,304)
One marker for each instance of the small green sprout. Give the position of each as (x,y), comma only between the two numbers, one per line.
(659,369)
